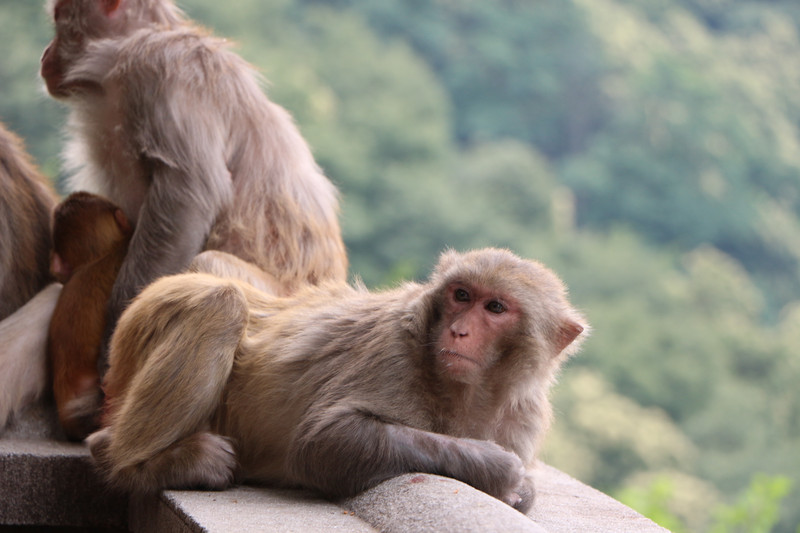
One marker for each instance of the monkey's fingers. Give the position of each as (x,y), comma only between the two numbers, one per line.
(522,497)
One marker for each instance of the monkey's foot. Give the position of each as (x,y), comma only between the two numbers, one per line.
(202,460)
(98,443)
(215,463)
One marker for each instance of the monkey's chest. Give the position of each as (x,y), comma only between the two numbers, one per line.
(113,165)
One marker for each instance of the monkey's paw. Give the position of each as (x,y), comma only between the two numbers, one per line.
(496,471)
(522,496)
(215,463)
(98,443)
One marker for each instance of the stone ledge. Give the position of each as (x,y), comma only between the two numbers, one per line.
(52,483)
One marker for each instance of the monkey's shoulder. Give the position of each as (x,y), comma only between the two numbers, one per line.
(185,54)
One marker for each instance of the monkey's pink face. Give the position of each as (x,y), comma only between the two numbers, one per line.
(473,321)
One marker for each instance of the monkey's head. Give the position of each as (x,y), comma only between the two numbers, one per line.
(496,313)
(85,227)
(78,22)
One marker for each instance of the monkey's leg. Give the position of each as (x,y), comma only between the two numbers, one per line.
(342,453)
(158,438)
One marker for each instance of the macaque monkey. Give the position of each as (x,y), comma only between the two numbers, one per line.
(336,388)
(173,127)
(90,239)
(26,200)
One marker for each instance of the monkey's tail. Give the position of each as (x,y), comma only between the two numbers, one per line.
(23,353)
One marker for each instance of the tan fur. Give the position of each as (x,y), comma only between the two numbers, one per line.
(333,388)
(172,126)
(26,200)
(229,266)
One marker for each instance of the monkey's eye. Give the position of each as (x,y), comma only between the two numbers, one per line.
(461,295)
(495,307)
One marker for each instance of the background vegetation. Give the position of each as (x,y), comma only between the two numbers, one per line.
(648,150)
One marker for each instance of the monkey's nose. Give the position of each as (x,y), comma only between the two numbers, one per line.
(458,332)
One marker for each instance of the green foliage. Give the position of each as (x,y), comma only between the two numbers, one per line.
(526,70)
(676,500)
(653,501)
(498,192)
(757,510)
(24,106)
(607,435)
(691,170)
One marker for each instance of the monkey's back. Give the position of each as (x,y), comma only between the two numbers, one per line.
(303,353)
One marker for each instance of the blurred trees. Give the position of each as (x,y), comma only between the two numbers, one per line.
(649,151)
(24,105)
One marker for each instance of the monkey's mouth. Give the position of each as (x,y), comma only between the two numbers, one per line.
(451,358)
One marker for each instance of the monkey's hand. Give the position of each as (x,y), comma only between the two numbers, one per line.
(497,472)
(522,497)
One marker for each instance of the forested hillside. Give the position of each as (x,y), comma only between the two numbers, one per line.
(648,150)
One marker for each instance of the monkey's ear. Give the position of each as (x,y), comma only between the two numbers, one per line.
(122,221)
(109,6)
(447,259)
(568,331)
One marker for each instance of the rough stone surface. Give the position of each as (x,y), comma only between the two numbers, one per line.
(52,483)
(424,502)
(253,510)
(565,505)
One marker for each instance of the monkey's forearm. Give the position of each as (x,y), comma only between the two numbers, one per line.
(170,232)
(355,452)
(161,246)
(482,464)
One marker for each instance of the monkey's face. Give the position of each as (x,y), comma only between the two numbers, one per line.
(474,322)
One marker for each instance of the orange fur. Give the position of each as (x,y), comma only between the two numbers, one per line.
(90,237)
